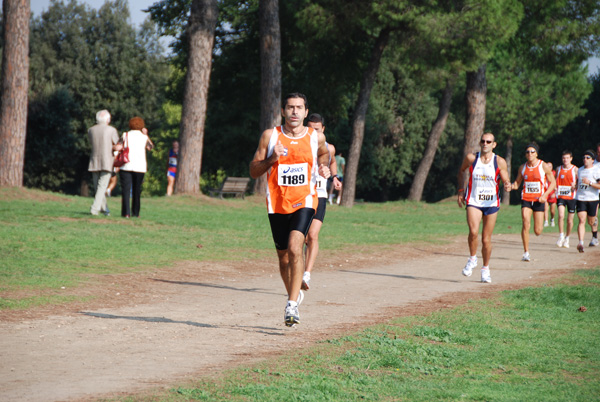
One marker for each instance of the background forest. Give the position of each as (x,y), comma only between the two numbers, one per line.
(83,60)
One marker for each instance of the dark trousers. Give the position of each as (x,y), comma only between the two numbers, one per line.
(131,184)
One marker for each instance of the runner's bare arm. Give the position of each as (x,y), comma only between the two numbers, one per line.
(504,174)
(337,184)
(323,157)
(519,179)
(551,179)
(260,164)
(461,178)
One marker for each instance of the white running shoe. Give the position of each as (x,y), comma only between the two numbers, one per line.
(566,243)
(594,242)
(546,224)
(305,281)
(560,241)
(526,257)
(552,223)
(292,316)
(468,269)
(485,276)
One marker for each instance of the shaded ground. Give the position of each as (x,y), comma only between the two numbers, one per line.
(143,331)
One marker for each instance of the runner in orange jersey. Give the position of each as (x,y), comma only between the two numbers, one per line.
(533,174)
(291,155)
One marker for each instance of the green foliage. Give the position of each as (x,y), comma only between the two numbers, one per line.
(92,60)
(52,146)
(528,104)
(558,34)
(155,181)
(580,134)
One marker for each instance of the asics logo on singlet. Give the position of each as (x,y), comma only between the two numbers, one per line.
(293,142)
(292,170)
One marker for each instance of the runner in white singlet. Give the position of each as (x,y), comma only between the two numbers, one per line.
(482,200)
(316,122)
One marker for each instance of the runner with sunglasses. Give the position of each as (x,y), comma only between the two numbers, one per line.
(533,174)
(481,196)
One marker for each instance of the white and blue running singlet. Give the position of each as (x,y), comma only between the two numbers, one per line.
(482,190)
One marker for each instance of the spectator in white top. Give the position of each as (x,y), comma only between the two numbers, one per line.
(132,173)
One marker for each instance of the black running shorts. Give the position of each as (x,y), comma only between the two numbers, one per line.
(283,224)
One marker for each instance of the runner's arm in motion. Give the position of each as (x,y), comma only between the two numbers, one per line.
(551,179)
(337,184)
(461,178)
(519,180)
(260,164)
(504,174)
(323,157)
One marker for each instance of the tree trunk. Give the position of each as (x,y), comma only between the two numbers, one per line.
(360,114)
(201,33)
(270,71)
(418,184)
(15,84)
(475,98)
(509,152)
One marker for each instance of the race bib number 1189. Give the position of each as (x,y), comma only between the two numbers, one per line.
(292,175)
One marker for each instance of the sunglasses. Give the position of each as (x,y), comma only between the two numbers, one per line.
(486,141)
(530,152)
(587,157)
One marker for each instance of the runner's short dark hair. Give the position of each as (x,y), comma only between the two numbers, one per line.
(316,118)
(567,152)
(294,95)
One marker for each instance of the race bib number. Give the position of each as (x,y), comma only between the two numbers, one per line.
(564,190)
(533,187)
(486,194)
(321,184)
(292,175)
(173,161)
(583,186)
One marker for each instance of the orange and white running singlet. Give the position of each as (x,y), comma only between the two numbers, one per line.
(564,183)
(534,180)
(291,180)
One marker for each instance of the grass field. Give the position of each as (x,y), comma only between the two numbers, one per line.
(525,345)
(531,344)
(49,241)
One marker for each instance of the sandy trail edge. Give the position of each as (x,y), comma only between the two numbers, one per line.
(176,327)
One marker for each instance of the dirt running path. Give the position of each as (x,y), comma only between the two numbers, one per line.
(172,325)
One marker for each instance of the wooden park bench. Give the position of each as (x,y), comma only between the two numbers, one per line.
(232,185)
